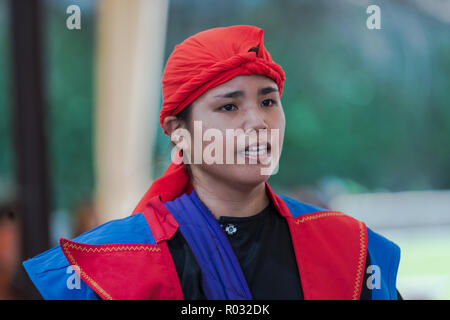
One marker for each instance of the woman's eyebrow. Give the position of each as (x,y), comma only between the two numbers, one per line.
(232,94)
(239,93)
(267,90)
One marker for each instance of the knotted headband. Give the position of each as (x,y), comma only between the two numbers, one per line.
(202,62)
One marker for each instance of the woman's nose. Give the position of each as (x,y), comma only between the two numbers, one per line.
(255,119)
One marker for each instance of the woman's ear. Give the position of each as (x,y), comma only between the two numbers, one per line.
(179,135)
(172,123)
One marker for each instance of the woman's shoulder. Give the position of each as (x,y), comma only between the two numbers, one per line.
(304,211)
(131,229)
(328,222)
(52,273)
(297,207)
(345,239)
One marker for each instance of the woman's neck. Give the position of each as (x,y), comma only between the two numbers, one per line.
(227,200)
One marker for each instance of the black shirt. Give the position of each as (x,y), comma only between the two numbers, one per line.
(263,247)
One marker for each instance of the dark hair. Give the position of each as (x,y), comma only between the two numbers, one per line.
(185,114)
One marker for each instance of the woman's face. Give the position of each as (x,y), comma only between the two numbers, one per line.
(237,130)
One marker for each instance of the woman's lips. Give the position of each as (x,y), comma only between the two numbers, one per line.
(256,152)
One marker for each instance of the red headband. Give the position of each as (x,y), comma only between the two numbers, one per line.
(210,58)
(202,62)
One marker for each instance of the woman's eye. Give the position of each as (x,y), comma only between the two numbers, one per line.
(268,103)
(228,107)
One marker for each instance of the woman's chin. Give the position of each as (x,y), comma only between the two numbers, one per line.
(244,174)
(248,174)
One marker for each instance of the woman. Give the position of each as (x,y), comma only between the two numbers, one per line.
(211,227)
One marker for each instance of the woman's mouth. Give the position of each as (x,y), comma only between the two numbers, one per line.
(256,152)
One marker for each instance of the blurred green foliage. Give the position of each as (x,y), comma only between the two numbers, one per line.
(69,77)
(365,106)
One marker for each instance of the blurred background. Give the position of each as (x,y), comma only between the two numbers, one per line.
(368,117)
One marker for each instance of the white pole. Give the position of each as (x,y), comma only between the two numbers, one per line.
(129,63)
